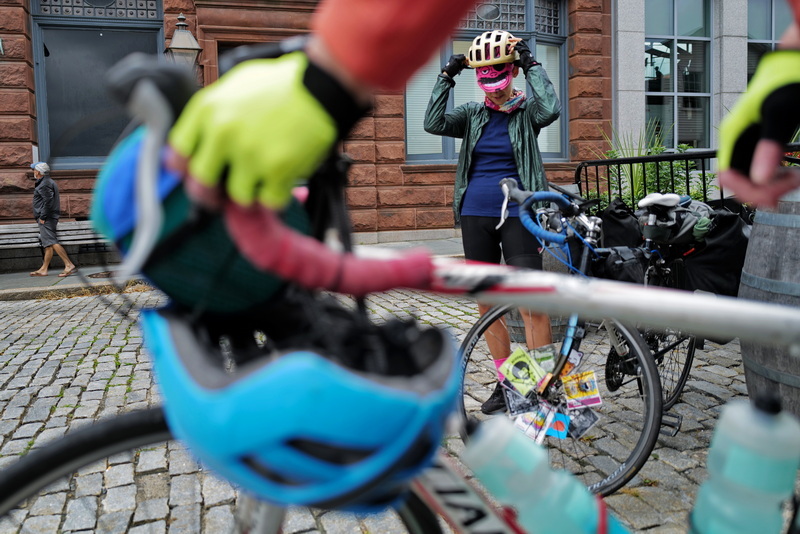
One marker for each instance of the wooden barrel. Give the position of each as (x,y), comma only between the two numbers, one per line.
(772,274)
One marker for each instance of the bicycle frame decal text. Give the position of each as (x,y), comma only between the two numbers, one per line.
(458,502)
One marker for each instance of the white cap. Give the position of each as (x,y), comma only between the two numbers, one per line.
(41,166)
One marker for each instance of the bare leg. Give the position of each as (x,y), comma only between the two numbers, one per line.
(48,256)
(537,329)
(68,265)
(496,336)
(499,343)
(537,332)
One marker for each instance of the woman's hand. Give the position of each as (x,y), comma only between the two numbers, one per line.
(526,60)
(455,65)
(754,134)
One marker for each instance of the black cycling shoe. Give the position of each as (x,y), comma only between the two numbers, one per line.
(496,401)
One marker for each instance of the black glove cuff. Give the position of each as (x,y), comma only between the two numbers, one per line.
(781,114)
(525,65)
(336,100)
(448,79)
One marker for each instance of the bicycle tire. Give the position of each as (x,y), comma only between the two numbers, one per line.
(43,466)
(672,350)
(611,452)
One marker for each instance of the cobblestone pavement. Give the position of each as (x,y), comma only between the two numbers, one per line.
(65,363)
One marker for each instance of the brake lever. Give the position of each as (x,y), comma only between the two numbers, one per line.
(504,208)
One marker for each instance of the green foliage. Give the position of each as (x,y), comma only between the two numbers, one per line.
(632,182)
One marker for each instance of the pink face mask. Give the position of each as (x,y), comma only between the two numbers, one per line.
(494,77)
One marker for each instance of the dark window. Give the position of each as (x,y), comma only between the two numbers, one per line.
(82,120)
(74,44)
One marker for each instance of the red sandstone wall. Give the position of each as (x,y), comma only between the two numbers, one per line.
(17,110)
(384,192)
(590,90)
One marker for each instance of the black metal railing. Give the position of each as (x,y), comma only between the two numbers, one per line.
(686,173)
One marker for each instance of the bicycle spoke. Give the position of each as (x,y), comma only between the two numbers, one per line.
(612,450)
(674,354)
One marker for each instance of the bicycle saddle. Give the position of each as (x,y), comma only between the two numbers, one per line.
(666,200)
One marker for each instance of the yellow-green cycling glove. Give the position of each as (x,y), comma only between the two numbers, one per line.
(263,127)
(770,109)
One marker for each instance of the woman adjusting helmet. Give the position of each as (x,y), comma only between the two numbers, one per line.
(492,55)
(499,140)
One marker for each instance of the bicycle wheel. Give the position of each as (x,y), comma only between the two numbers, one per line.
(45,465)
(672,350)
(613,449)
(673,353)
(35,471)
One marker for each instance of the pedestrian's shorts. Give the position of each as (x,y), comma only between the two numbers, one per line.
(47,232)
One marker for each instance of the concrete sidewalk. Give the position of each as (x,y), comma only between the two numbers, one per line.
(22,286)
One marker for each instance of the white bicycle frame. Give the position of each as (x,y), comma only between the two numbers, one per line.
(702,314)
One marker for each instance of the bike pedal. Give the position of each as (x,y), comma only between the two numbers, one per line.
(670,424)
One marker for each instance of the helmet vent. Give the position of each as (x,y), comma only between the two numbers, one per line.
(490,48)
(262,470)
(329,453)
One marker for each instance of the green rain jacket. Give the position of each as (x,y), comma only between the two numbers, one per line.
(467,122)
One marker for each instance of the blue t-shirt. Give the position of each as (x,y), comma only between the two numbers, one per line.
(492,160)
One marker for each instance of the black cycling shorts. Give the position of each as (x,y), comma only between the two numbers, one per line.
(512,242)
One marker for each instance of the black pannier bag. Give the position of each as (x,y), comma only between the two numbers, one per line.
(716,265)
(620,226)
(625,264)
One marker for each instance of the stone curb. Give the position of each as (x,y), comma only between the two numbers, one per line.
(67,291)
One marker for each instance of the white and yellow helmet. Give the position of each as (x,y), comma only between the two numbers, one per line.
(492,48)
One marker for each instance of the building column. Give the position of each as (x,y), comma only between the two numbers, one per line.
(628,54)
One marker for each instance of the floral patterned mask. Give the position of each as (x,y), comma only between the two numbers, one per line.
(493,78)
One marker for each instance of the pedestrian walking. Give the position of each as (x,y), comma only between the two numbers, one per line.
(46,210)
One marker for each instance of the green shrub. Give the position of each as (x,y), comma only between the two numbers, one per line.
(632,182)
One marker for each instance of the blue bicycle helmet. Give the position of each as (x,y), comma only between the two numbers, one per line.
(301,427)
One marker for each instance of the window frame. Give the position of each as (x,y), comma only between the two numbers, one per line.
(40,23)
(449,155)
(773,42)
(674,94)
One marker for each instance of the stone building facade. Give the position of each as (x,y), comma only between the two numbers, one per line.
(389,195)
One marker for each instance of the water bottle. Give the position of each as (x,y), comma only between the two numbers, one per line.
(516,472)
(752,465)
